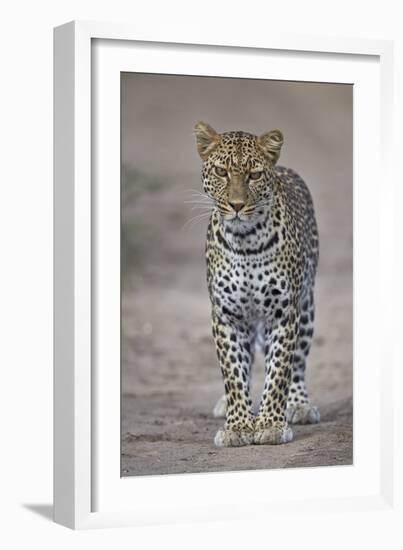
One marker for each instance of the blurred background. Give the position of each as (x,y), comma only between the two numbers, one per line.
(170,375)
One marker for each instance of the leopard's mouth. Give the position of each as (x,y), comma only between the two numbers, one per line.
(239,221)
(235,217)
(238,217)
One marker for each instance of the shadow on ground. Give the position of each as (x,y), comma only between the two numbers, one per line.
(43,510)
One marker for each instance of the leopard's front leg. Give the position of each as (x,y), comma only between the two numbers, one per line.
(271,425)
(232,339)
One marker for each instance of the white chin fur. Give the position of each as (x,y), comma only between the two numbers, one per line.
(240,224)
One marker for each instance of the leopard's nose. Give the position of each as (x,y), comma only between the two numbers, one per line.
(237,205)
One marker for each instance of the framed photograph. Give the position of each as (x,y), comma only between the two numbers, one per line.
(219,230)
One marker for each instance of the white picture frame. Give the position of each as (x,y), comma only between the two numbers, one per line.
(88,490)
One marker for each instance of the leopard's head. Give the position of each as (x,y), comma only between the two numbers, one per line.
(238,170)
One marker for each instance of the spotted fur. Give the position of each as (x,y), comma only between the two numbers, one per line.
(262,254)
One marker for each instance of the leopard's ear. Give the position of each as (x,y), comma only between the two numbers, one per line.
(271,143)
(206,139)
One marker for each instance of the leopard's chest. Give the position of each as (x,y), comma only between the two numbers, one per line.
(248,288)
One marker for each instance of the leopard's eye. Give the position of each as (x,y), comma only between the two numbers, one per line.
(220,171)
(255,175)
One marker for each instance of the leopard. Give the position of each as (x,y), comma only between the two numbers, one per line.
(262,251)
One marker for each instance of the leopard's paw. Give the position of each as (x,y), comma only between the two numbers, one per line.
(231,438)
(273,435)
(220,408)
(302,413)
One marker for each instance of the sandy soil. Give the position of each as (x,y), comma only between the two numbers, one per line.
(171,379)
(170,376)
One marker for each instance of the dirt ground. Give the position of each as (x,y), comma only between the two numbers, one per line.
(170,376)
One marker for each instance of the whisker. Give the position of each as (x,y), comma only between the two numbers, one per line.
(202,207)
(199,201)
(193,223)
(195,192)
(199,198)
(197,218)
